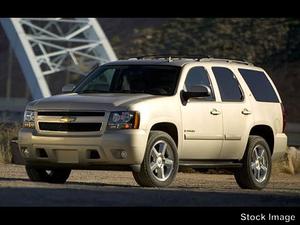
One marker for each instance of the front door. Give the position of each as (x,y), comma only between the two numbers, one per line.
(201,120)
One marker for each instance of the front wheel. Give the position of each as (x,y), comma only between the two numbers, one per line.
(57,175)
(160,164)
(257,164)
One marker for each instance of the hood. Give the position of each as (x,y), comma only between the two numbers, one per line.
(89,102)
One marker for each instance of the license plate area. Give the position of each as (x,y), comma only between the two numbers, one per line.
(67,156)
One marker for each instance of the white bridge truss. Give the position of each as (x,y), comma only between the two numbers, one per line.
(45,46)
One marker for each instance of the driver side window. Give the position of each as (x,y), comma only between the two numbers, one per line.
(102,82)
(198,75)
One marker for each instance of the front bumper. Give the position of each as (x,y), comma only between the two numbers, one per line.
(75,152)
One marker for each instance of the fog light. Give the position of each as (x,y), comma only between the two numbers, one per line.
(119,153)
(123,154)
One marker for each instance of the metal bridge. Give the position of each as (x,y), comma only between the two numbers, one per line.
(45,46)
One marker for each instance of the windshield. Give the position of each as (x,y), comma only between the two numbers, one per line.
(156,80)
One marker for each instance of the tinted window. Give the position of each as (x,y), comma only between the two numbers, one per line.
(102,82)
(228,84)
(196,76)
(259,85)
(156,80)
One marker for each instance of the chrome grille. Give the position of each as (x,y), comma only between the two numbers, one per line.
(52,113)
(71,127)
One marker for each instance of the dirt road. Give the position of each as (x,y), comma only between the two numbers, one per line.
(106,188)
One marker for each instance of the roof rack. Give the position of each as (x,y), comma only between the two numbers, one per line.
(244,62)
(202,58)
(170,57)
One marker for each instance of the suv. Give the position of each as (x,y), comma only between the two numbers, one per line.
(154,115)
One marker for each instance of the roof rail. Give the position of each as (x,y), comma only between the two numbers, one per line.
(203,58)
(244,62)
(172,56)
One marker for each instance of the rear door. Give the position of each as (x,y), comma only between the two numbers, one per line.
(237,113)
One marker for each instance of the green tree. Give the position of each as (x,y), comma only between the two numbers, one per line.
(260,40)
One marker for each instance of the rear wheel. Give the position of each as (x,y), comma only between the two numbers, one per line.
(57,175)
(160,164)
(257,164)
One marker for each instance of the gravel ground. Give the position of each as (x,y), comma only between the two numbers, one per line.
(107,188)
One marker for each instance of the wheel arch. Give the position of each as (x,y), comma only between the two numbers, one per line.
(265,132)
(168,127)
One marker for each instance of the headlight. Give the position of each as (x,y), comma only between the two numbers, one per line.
(124,120)
(28,119)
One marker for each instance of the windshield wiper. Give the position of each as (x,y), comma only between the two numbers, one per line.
(128,92)
(92,91)
(151,92)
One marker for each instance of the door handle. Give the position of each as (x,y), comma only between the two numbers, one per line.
(215,112)
(246,112)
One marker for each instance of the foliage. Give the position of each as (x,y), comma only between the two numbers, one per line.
(258,40)
(7,133)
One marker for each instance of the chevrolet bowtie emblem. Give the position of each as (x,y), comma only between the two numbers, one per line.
(68,119)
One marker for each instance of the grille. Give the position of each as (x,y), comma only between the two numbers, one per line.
(71,113)
(72,127)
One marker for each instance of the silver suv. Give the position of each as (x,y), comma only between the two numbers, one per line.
(152,116)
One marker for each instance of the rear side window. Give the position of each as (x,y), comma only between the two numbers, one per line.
(228,85)
(259,85)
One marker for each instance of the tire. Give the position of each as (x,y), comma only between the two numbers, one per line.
(164,161)
(58,176)
(257,164)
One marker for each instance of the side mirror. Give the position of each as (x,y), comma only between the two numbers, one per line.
(68,88)
(195,92)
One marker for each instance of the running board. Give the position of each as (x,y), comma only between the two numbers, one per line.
(209,164)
